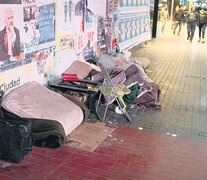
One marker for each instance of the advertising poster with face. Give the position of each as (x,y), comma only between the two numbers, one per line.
(11,36)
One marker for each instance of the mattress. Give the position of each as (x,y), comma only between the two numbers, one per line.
(34,100)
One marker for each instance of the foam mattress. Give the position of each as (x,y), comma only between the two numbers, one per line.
(34,100)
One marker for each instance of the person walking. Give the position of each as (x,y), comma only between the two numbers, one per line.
(178,19)
(192,18)
(163,17)
(202,20)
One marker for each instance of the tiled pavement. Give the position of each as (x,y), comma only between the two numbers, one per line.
(127,154)
(131,153)
(179,68)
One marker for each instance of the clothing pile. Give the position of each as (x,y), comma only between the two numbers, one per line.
(121,71)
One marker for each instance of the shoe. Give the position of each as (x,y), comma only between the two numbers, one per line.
(190,41)
(203,41)
(117,110)
(187,38)
(173,32)
(199,40)
(178,34)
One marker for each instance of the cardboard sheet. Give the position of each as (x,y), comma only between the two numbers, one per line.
(89,136)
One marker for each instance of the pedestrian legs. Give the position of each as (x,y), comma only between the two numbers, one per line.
(163,25)
(203,33)
(188,31)
(200,28)
(191,30)
(180,25)
(193,26)
(176,25)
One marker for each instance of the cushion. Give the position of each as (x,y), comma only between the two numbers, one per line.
(34,100)
(80,68)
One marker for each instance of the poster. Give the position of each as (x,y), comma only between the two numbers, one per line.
(65,24)
(39,26)
(98,7)
(79,25)
(85,31)
(46,23)
(39,33)
(90,33)
(109,25)
(11,36)
(116,28)
(133,23)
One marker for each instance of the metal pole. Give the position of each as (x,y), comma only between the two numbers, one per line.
(154,26)
(172,8)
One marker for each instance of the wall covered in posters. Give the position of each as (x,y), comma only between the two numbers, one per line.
(39,39)
(131,22)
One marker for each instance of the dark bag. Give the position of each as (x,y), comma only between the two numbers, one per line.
(46,133)
(1,112)
(16,139)
(150,98)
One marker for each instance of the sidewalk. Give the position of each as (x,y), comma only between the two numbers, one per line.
(158,144)
(179,68)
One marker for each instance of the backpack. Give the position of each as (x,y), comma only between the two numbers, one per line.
(16,139)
